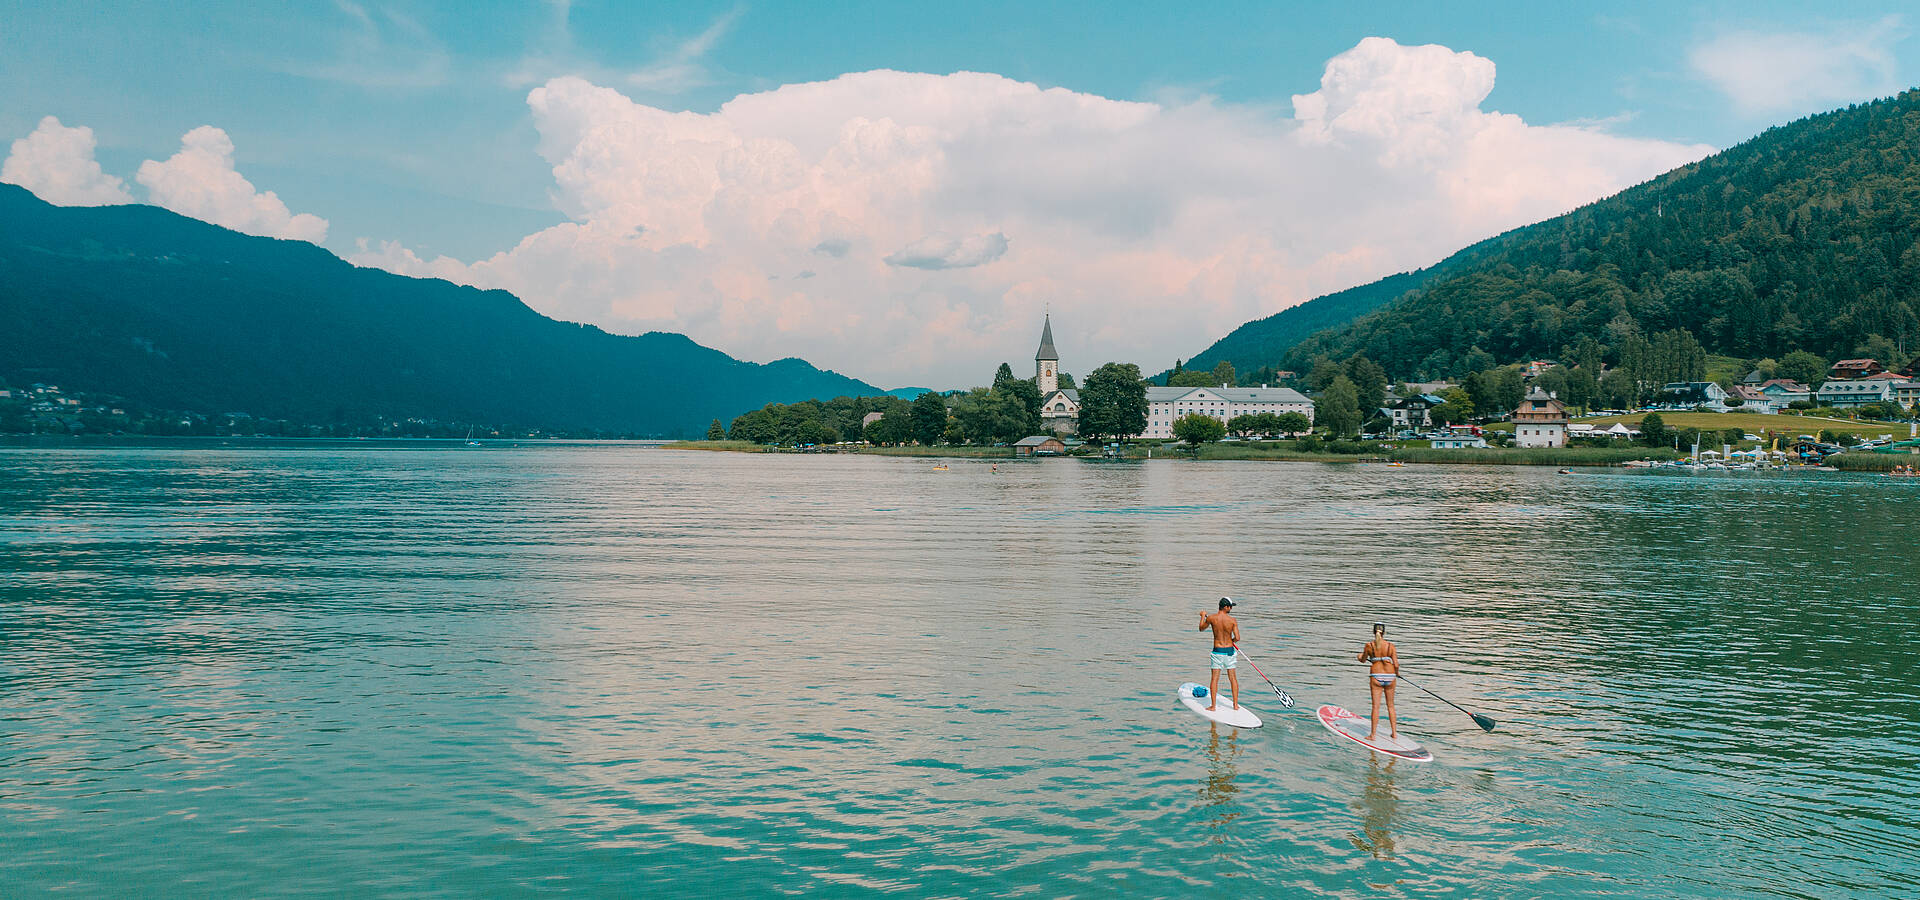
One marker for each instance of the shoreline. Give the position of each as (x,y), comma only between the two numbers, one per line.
(1568,456)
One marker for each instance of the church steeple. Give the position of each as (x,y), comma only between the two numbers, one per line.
(1046,361)
(1046,350)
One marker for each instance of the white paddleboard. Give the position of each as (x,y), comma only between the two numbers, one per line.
(1225,714)
(1354,728)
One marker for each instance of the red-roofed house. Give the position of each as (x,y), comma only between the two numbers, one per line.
(1855,369)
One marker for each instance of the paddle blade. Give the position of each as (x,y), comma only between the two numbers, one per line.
(1482,721)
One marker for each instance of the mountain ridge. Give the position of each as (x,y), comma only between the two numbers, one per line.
(1803,237)
(173,312)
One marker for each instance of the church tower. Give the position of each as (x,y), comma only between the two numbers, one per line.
(1046,361)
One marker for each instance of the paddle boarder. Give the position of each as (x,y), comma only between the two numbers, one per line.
(1383,669)
(1226,638)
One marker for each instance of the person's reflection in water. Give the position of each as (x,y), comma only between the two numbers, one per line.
(1376,805)
(1217,793)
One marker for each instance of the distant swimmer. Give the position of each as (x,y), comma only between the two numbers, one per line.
(1383,669)
(1226,651)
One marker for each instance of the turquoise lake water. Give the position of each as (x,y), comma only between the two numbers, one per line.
(618,671)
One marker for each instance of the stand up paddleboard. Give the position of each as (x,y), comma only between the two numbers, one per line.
(1196,699)
(1354,728)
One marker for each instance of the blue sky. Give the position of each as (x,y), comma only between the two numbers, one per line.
(412,123)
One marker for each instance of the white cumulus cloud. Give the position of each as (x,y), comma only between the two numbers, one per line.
(1803,71)
(56,163)
(1149,229)
(200,181)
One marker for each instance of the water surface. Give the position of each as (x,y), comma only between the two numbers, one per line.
(613,670)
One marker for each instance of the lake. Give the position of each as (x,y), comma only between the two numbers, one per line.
(620,670)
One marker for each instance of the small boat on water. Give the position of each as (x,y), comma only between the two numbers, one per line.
(939,468)
(1566,471)
(1396,465)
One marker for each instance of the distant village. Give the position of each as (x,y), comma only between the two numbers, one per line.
(47,409)
(1435,412)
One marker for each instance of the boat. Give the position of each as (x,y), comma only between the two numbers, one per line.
(470,441)
(939,468)
(1566,471)
(1396,465)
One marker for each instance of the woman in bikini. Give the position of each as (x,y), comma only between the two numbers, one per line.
(1382,666)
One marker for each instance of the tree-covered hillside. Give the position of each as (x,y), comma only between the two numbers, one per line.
(1263,342)
(174,313)
(1806,237)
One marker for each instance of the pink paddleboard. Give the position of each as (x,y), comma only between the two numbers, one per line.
(1354,728)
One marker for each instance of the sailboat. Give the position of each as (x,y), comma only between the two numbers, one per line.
(470,441)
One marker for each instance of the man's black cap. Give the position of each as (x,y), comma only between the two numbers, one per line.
(1226,602)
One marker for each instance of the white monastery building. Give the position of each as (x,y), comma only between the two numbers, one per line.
(1060,409)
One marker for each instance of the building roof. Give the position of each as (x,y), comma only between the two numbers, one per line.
(1753,377)
(1747,392)
(1046,350)
(1786,384)
(1856,386)
(1157,394)
(1856,363)
(1036,440)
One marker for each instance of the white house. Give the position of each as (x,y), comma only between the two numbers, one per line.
(1752,399)
(1688,394)
(1460,440)
(1540,421)
(1783,391)
(1840,394)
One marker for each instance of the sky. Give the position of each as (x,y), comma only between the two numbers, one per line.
(899,192)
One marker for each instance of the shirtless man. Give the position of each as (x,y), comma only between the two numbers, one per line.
(1226,651)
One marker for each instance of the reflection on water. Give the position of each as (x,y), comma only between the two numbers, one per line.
(381,673)
(1217,793)
(1376,807)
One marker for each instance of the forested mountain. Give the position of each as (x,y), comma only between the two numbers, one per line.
(175,313)
(1263,342)
(1806,237)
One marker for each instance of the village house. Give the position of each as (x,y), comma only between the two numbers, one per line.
(1782,391)
(1848,369)
(1907,393)
(1752,399)
(1691,394)
(1411,413)
(1460,440)
(1858,392)
(1039,445)
(1538,367)
(1540,421)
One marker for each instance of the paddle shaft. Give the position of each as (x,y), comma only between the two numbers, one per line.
(1478,719)
(1286,699)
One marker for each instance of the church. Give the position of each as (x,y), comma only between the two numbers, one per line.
(1060,407)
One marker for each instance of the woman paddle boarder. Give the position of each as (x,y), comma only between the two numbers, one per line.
(1383,668)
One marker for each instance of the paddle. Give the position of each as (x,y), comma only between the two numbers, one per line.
(1286,699)
(1478,719)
